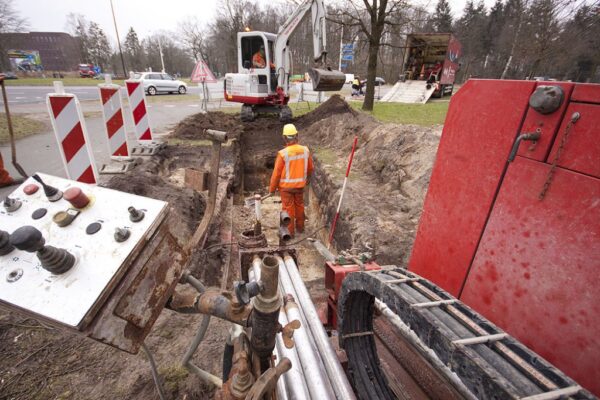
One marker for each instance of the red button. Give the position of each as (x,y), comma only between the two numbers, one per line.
(76,197)
(30,189)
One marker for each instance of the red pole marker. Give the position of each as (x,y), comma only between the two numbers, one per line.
(69,128)
(337,213)
(112,112)
(137,105)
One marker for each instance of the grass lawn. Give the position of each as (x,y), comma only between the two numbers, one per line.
(432,113)
(22,126)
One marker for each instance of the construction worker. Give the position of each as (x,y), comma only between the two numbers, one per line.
(258,59)
(5,178)
(293,168)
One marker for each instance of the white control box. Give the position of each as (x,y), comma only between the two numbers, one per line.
(74,297)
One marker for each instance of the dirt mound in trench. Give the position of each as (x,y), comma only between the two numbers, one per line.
(333,106)
(194,126)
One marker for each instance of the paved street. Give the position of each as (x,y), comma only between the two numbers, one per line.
(37,94)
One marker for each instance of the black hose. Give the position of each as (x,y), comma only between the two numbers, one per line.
(227,360)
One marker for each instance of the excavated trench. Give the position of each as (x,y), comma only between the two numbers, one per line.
(382,206)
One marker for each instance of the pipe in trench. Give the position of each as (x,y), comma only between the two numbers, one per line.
(338,378)
(292,384)
(295,381)
(311,364)
(317,380)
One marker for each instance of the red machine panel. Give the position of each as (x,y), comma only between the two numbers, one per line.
(547,124)
(481,126)
(537,270)
(586,93)
(581,151)
(334,275)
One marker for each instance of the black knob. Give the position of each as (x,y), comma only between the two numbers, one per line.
(5,246)
(27,238)
(55,260)
(52,193)
(121,234)
(12,205)
(245,291)
(135,215)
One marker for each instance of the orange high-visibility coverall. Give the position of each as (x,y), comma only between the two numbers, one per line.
(258,61)
(293,168)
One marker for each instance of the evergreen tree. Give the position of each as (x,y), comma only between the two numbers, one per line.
(471,30)
(134,52)
(98,48)
(442,18)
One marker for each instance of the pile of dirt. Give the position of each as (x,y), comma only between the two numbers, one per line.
(333,106)
(389,178)
(194,127)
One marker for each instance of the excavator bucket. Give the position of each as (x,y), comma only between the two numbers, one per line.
(326,80)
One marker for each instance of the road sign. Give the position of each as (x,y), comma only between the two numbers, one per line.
(347,57)
(348,47)
(344,65)
(202,73)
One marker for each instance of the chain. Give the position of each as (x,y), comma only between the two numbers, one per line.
(574,118)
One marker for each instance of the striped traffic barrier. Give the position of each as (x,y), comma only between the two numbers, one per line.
(112,112)
(137,105)
(71,135)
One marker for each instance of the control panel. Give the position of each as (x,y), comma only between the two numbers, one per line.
(65,245)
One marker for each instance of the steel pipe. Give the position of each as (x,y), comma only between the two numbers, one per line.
(292,384)
(339,381)
(312,365)
(317,380)
(294,379)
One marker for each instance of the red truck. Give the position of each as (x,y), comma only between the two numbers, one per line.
(432,57)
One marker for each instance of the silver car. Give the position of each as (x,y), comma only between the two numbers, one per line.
(156,82)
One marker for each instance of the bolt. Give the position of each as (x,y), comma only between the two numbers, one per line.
(121,234)
(135,215)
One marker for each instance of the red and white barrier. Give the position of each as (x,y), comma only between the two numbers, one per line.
(112,111)
(71,135)
(137,104)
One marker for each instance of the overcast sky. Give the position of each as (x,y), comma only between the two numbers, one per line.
(145,16)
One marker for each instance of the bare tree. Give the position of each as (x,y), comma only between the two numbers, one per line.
(10,20)
(192,37)
(371,17)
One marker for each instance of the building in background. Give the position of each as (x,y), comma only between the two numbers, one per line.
(39,51)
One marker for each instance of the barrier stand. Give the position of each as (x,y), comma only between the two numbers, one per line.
(112,113)
(146,145)
(71,135)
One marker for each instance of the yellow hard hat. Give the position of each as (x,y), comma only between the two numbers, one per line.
(289,130)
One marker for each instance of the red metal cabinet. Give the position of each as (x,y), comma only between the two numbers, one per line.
(547,124)
(480,129)
(537,269)
(530,265)
(581,150)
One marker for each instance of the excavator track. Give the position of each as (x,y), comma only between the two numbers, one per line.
(469,352)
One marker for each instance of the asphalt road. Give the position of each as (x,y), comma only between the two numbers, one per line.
(37,94)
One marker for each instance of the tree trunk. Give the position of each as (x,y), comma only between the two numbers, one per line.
(371,73)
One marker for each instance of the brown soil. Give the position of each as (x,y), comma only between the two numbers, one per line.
(382,205)
(40,362)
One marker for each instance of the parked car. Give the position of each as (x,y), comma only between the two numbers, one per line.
(379,81)
(9,75)
(155,82)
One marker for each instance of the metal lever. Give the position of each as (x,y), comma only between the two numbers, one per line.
(268,380)
(287,333)
(524,136)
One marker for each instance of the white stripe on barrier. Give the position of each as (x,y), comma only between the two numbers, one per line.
(67,119)
(71,136)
